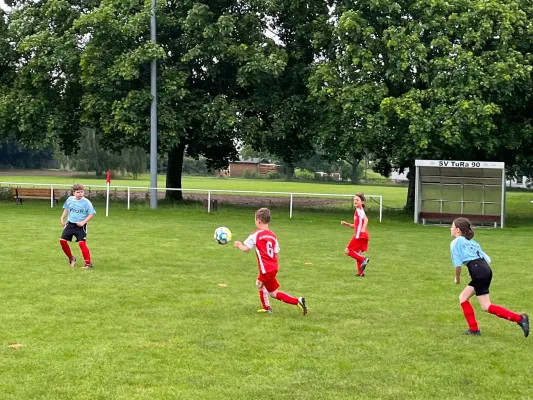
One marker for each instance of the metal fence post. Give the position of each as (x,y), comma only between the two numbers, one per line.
(290,210)
(128,197)
(208,201)
(380,207)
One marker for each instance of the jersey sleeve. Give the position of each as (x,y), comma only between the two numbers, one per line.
(250,241)
(90,208)
(456,253)
(65,205)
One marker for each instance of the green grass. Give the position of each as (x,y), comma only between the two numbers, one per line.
(200,182)
(151,322)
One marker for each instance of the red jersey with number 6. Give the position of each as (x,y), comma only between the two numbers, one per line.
(266,249)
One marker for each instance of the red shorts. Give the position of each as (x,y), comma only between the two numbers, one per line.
(358,245)
(269,281)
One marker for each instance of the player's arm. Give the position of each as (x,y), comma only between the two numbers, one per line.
(457,261)
(241,246)
(457,275)
(64,216)
(344,223)
(89,217)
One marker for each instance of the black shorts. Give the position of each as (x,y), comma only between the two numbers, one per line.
(72,229)
(481,275)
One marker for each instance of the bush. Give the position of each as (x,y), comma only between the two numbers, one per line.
(274,175)
(319,177)
(251,175)
(303,174)
(195,167)
(6,194)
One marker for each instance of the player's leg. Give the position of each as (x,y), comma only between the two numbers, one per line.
(354,253)
(272,286)
(263,297)
(482,292)
(364,248)
(521,319)
(468,311)
(66,237)
(354,250)
(81,236)
(86,254)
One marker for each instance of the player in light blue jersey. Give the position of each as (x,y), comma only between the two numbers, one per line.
(465,250)
(77,212)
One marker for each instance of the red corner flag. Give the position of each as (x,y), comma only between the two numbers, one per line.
(108,179)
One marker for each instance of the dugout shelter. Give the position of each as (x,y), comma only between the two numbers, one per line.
(445,190)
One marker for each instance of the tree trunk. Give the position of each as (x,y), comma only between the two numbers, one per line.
(290,171)
(411,175)
(174,169)
(355,178)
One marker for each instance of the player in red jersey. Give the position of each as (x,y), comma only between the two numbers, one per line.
(267,249)
(359,242)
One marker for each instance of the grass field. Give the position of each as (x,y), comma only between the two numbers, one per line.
(151,321)
(396,194)
(518,206)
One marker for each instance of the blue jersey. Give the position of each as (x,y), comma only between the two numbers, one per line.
(78,210)
(464,250)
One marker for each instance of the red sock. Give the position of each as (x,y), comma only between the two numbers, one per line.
(359,270)
(356,256)
(263,296)
(85,252)
(66,248)
(504,313)
(284,297)
(468,311)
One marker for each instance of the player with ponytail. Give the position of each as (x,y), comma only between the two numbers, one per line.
(465,250)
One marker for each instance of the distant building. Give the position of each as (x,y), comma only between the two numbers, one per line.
(334,176)
(238,168)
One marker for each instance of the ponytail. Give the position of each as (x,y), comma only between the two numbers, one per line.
(464,225)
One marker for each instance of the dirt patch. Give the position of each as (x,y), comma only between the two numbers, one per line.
(269,201)
(241,200)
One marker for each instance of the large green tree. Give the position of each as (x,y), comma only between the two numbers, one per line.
(286,118)
(41,104)
(87,63)
(211,55)
(431,79)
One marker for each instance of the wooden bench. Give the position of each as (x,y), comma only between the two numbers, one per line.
(30,193)
(451,216)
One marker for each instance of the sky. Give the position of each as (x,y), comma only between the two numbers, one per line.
(3,5)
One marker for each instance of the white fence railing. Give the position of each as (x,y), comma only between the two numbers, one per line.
(52,186)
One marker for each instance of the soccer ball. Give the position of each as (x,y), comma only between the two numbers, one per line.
(222,235)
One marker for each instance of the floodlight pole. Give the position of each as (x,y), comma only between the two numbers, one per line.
(153,116)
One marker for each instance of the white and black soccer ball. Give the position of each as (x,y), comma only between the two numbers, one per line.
(222,235)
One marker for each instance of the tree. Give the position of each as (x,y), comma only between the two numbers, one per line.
(8,58)
(135,161)
(41,105)
(287,119)
(426,79)
(210,55)
(247,151)
(12,155)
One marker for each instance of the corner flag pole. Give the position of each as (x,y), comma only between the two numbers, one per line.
(107,181)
